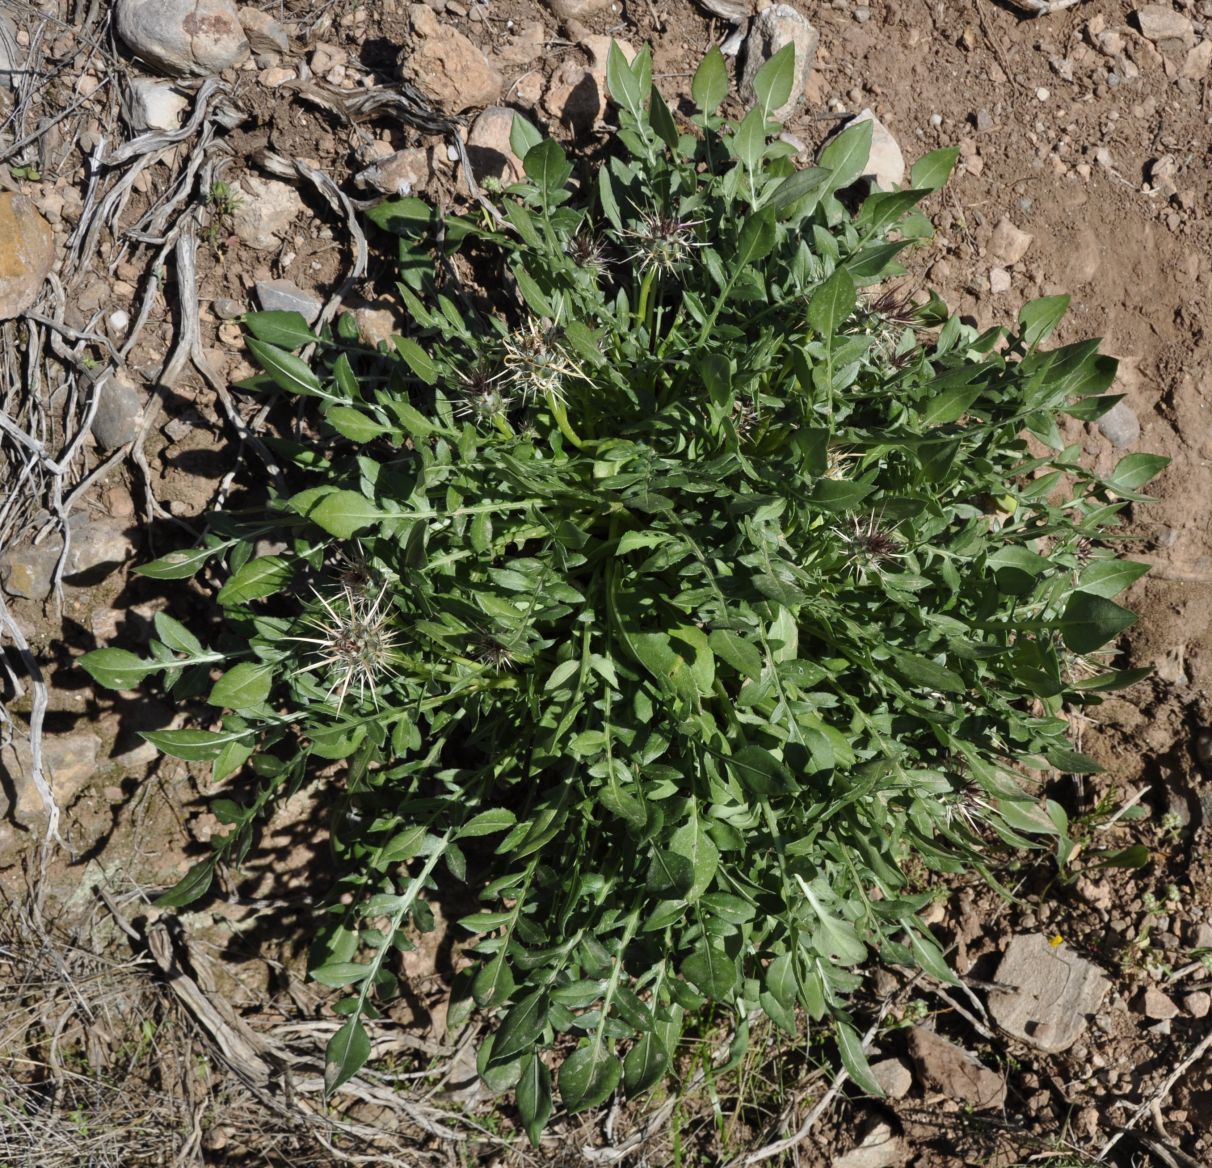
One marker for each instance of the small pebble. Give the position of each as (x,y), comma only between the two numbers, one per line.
(1042,94)
(119,320)
(936,119)
(226,308)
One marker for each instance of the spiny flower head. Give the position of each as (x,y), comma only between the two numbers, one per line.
(535,364)
(354,642)
(662,242)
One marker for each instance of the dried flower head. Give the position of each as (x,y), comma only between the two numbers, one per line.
(662,242)
(355,641)
(871,545)
(587,251)
(535,364)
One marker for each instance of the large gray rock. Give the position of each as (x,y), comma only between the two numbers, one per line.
(27,254)
(183,38)
(99,545)
(1049,993)
(119,412)
(779,25)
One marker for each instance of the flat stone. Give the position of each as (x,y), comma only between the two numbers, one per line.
(893,1076)
(1051,992)
(99,545)
(119,412)
(152,105)
(183,38)
(881,1147)
(1159,22)
(1008,244)
(1120,426)
(402,172)
(1197,62)
(885,164)
(1202,936)
(947,1068)
(577,9)
(265,35)
(448,66)
(285,296)
(266,211)
(225,308)
(777,26)
(27,254)
(999,280)
(69,761)
(1156,1005)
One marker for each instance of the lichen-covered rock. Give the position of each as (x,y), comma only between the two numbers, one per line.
(27,254)
(446,66)
(183,38)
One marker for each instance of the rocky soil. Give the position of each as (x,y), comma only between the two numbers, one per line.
(166,165)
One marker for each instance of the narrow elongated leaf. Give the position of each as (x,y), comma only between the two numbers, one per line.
(589,1076)
(288,330)
(932,170)
(1110,577)
(854,1059)
(345,1055)
(344,513)
(534,1098)
(644,1064)
(846,155)
(710,84)
(287,371)
(416,359)
(797,186)
(832,302)
(488,822)
(193,745)
(117,668)
(1038,318)
(772,82)
(523,137)
(732,648)
(547,166)
(261,577)
(521,1027)
(177,565)
(194,885)
(694,844)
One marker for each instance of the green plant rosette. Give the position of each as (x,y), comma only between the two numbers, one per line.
(672,590)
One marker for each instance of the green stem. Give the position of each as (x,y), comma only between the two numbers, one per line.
(561,418)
